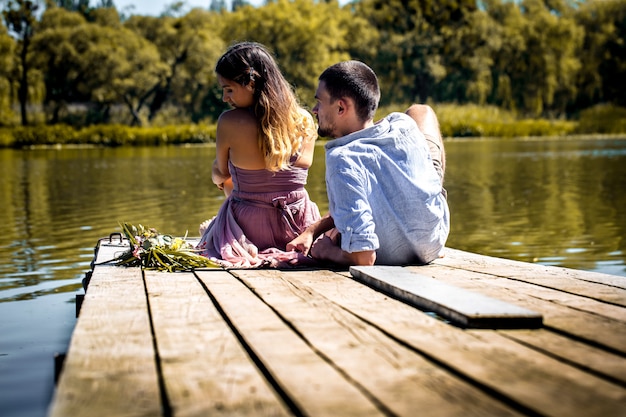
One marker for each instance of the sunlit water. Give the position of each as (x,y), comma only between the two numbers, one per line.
(555,202)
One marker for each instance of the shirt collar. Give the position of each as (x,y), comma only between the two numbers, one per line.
(368,133)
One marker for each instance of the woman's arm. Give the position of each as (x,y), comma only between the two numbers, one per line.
(220,171)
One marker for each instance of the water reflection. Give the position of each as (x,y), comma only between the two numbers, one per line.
(557,202)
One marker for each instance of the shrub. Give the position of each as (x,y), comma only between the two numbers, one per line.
(602,118)
(106,135)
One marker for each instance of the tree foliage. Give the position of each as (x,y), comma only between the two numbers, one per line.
(550,58)
(20,19)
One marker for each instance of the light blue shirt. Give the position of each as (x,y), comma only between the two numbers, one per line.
(385,195)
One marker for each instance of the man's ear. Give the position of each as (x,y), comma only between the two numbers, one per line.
(342,105)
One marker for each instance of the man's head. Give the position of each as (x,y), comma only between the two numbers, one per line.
(348,88)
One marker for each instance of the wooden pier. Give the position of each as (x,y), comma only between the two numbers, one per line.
(499,338)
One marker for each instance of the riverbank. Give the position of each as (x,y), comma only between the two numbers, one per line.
(466,121)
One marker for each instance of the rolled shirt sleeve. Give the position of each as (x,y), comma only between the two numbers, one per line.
(351,211)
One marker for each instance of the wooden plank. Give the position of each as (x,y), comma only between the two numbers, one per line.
(206,370)
(588,284)
(399,379)
(531,381)
(310,385)
(605,364)
(467,308)
(599,324)
(110,368)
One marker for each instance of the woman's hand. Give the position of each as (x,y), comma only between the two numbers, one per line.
(227,186)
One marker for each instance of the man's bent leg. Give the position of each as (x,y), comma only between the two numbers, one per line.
(428,123)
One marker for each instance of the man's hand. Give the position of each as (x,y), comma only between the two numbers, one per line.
(302,243)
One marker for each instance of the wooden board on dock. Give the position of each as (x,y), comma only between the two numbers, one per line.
(319,342)
(463,307)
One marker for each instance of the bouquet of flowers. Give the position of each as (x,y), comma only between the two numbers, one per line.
(150,249)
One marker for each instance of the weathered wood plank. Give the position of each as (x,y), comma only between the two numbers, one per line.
(311,385)
(534,382)
(110,368)
(588,358)
(467,308)
(589,284)
(598,323)
(400,379)
(206,370)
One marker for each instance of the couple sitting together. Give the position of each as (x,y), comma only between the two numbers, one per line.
(384,180)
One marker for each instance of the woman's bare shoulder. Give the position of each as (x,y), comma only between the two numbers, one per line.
(238,118)
(237,131)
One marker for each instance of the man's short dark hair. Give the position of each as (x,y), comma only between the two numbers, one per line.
(355,80)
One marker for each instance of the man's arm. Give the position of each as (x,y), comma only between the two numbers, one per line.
(328,248)
(303,242)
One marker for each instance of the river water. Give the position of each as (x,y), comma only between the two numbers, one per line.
(550,201)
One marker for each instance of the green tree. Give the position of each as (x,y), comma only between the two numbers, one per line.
(421,51)
(468,44)
(408,61)
(7,47)
(550,63)
(105,16)
(73,5)
(603,54)
(120,66)
(188,46)
(55,53)
(20,19)
(536,67)
(509,49)
(305,36)
(85,61)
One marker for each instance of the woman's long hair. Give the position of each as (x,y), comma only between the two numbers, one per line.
(283,126)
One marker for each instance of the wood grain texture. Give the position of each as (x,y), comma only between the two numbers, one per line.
(466,308)
(529,380)
(206,370)
(596,322)
(110,368)
(400,379)
(307,380)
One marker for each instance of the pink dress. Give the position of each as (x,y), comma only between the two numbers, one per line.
(265,211)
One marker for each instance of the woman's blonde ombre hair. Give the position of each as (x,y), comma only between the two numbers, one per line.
(283,125)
